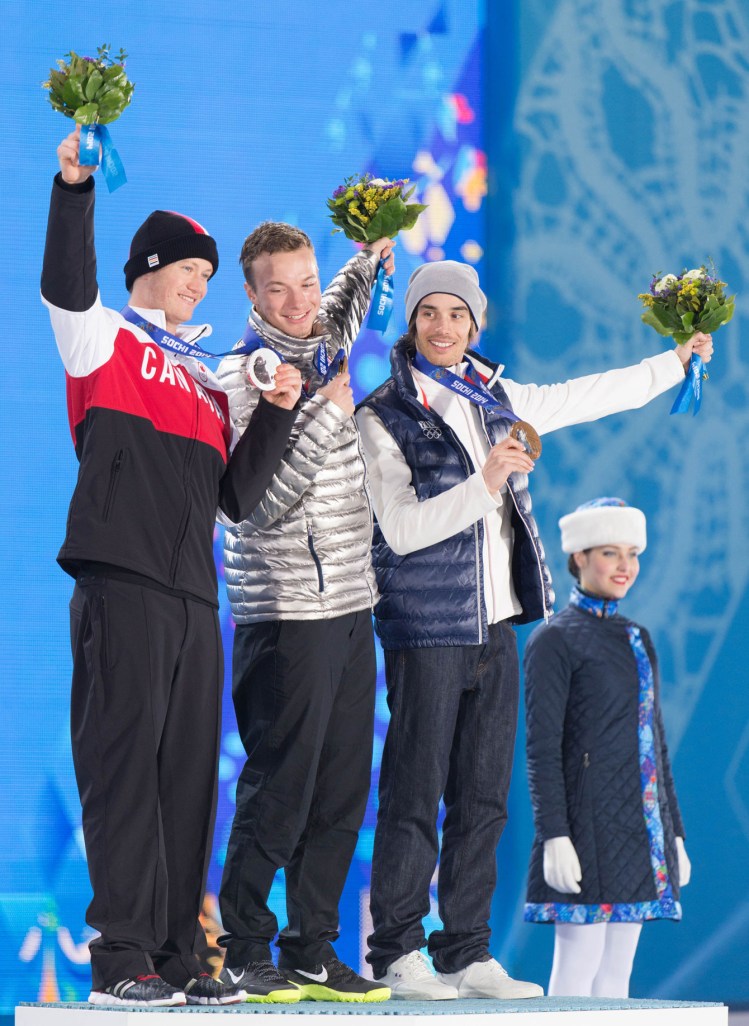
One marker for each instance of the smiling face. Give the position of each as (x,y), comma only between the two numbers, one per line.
(176,289)
(285,290)
(608,571)
(443,327)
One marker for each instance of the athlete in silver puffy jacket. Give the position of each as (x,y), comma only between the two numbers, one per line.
(301,587)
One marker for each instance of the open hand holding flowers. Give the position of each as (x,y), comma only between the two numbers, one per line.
(681,305)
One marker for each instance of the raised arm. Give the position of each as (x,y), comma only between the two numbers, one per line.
(550,407)
(84,331)
(346,299)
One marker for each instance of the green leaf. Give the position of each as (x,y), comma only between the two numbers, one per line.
(87,114)
(113,100)
(95,79)
(387,219)
(686,320)
(73,93)
(680,337)
(648,317)
(114,73)
(412,215)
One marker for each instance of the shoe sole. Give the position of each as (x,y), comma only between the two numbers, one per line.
(397,996)
(275,997)
(484,995)
(233,1000)
(110,999)
(317,992)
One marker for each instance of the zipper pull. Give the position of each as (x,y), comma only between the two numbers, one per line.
(586,760)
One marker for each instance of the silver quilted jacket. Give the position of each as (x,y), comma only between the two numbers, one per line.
(304,554)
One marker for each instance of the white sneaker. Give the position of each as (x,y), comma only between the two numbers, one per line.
(489,980)
(411,978)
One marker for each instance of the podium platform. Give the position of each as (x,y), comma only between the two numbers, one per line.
(534,1012)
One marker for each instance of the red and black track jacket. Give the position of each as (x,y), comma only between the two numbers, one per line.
(152,431)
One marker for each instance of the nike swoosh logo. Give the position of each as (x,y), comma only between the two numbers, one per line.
(235,979)
(317,977)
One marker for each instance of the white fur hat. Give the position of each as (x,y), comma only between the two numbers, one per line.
(603,522)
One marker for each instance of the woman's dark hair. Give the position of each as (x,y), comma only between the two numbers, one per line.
(572,566)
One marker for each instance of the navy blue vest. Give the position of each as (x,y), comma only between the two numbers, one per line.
(435,596)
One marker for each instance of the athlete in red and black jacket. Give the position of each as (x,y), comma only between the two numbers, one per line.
(154,439)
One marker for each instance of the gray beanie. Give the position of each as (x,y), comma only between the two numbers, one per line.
(447,276)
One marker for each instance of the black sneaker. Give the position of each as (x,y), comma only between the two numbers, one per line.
(204,990)
(143,990)
(334,981)
(261,982)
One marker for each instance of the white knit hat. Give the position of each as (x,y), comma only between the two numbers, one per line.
(450,277)
(603,522)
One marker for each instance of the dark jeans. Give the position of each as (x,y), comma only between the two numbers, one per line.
(304,695)
(453,717)
(145,724)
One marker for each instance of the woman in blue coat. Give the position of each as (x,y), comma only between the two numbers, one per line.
(609,850)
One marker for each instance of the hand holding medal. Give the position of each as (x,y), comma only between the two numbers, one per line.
(93,91)
(688,307)
(507,457)
(366,209)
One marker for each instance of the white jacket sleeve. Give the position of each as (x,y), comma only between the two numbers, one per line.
(550,407)
(407,523)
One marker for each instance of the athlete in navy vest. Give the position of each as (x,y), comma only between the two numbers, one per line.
(459,562)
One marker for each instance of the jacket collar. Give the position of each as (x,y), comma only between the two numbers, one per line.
(187,332)
(593,604)
(400,366)
(298,351)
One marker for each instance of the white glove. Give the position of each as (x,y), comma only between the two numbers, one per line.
(562,866)
(685,866)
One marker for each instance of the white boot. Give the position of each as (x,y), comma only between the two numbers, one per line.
(489,980)
(411,978)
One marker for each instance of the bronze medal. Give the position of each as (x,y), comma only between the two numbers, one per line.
(528,438)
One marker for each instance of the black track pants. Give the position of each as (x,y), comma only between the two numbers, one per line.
(145,720)
(304,694)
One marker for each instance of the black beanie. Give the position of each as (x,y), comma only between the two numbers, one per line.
(165,237)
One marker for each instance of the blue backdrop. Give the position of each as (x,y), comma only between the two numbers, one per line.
(615,141)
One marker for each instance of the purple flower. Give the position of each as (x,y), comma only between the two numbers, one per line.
(340,191)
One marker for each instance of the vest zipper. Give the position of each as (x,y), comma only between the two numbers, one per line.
(547,611)
(468,468)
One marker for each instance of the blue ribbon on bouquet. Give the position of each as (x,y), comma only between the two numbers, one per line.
(92,137)
(692,388)
(382,301)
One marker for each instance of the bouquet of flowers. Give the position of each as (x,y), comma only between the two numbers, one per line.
(680,305)
(365,208)
(90,89)
(93,91)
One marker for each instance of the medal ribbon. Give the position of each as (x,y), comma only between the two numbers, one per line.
(92,137)
(692,386)
(382,301)
(250,342)
(474,391)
